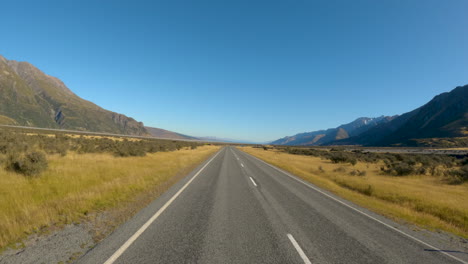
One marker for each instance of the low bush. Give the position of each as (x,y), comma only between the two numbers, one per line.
(403,168)
(459,175)
(358,173)
(129,149)
(396,164)
(22,141)
(29,164)
(342,157)
(340,169)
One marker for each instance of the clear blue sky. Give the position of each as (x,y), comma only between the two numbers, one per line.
(255,70)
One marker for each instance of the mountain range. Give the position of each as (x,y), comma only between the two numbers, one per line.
(445,116)
(321,137)
(29,97)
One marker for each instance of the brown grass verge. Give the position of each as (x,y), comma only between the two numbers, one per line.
(78,186)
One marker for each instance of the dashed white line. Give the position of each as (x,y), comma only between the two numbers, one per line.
(142,229)
(253,181)
(242,165)
(299,249)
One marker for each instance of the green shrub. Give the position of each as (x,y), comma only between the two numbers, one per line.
(368,191)
(460,175)
(342,157)
(29,164)
(129,149)
(395,164)
(402,169)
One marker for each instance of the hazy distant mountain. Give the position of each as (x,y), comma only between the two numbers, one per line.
(445,116)
(226,140)
(321,137)
(29,97)
(162,133)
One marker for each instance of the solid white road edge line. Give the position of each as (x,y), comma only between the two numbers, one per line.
(253,181)
(142,229)
(359,211)
(299,249)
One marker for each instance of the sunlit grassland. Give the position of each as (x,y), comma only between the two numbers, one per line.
(77,185)
(426,201)
(115,138)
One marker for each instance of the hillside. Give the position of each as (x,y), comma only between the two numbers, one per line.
(322,137)
(29,97)
(444,117)
(371,136)
(162,133)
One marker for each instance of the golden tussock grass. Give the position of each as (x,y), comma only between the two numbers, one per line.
(80,184)
(115,138)
(426,201)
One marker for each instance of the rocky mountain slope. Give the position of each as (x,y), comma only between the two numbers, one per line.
(29,97)
(345,131)
(445,116)
(162,133)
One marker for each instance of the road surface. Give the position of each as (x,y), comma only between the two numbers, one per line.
(235,208)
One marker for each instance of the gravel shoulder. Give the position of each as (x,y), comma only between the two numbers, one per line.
(60,246)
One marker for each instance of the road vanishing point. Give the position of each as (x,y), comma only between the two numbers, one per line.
(235,208)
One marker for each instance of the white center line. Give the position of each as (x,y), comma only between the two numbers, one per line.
(142,229)
(253,181)
(299,249)
(242,165)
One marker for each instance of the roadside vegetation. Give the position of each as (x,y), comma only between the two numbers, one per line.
(49,180)
(453,169)
(427,190)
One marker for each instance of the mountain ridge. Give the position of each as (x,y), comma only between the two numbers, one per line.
(344,131)
(30,97)
(445,116)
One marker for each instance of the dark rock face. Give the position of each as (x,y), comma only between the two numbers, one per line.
(59,117)
(32,98)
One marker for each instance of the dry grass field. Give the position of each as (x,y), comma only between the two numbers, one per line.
(77,185)
(427,201)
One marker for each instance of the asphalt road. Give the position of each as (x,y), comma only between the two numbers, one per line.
(235,208)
